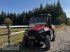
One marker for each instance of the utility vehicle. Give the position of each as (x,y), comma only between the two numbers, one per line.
(40,31)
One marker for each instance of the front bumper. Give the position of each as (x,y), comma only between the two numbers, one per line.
(31,37)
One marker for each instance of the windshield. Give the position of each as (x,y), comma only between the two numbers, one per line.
(34,21)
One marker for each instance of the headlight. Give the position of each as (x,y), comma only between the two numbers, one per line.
(41,31)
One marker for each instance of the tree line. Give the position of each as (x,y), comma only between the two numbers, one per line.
(57,14)
(68,21)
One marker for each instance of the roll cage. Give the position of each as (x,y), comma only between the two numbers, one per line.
(46,17)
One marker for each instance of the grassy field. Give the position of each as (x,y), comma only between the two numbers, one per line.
(14,38)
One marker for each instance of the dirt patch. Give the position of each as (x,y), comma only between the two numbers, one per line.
(62,41)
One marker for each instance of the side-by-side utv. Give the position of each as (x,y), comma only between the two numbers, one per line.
(40,31)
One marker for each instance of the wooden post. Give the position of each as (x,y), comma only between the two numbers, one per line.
(8,27)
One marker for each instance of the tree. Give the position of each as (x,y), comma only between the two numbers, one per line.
(55,9)
(7,21)
(68,21)
(2,16)
(41,9)
(59,8)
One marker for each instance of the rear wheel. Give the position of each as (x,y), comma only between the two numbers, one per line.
(47,42)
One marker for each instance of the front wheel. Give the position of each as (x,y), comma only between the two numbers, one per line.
(47,42)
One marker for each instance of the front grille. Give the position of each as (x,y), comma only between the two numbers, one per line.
(32,33)
(31,37)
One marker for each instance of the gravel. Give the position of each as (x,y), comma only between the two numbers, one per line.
(62,43)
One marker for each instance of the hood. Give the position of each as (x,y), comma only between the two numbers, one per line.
(37,28)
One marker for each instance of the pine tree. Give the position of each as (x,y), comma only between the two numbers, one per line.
(59,8)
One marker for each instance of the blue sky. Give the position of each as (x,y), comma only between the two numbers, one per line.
(25,5)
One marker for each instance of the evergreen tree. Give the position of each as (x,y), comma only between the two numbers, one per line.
(41,9)
(59,8)
(56,11)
